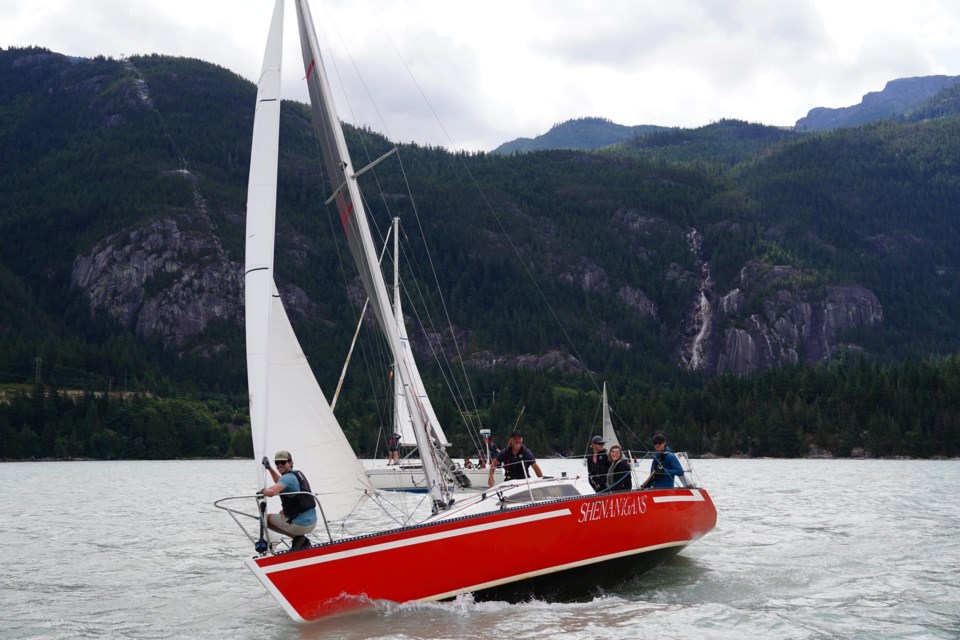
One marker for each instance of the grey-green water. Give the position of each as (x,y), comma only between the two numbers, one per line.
(802,549)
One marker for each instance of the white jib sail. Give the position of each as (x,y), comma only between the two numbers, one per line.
(287,408)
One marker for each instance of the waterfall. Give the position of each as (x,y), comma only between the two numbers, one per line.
(703,310)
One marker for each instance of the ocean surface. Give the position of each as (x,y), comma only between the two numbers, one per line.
(802,549)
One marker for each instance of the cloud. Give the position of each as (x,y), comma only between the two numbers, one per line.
(502,69)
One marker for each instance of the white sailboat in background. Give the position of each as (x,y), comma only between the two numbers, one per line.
(564,539)
(408,474)
(609,433)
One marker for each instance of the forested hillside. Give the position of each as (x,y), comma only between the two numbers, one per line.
(748,289)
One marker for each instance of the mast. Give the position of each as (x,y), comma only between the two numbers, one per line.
(341,174)
(401,417)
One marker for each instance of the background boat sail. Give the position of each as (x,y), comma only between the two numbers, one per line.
(408,474)
(563,536)
(609,433)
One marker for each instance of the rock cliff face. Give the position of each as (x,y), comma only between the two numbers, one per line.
(162,280)
(166,279)
(793,325)
(169,279)
(550,361)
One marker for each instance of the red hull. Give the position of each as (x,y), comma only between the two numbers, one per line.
(542,539)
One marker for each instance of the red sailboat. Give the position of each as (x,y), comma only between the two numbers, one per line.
(563,537)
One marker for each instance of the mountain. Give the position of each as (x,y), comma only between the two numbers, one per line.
(733,247)
(909,99)
(727,142)
(580,133)
(898,98)
(946,103)
(659,264)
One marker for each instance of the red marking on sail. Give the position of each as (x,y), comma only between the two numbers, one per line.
(309,69)
(345,212)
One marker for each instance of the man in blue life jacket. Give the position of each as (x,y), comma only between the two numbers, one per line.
(517,460)
(298,515)
(664,467)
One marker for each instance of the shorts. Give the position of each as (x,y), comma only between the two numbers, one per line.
(279,521)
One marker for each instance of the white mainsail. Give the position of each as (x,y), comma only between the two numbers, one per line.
(287,408)
(353,218)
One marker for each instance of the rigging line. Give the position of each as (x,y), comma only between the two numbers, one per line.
(446,369)
(485,200)
(526,268)
(382,413)
(336,69)
(443,302)
(454,388)
(375,106)
(624,427)
(440,357)
(410,73)
(356,334)
(447,373)
(356,69)
(335,234)
(386,128)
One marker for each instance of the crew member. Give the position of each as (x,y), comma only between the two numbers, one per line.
(664,467)
(517,460)
(298,515)
(597,465)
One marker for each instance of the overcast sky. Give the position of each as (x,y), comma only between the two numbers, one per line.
(472,75)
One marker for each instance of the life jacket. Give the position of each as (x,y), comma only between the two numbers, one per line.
(294,505)
(394,439)
(514,463)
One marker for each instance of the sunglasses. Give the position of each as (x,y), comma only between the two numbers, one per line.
(280,462)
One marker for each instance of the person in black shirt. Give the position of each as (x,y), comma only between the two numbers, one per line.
(618,476)
(597,465)
(517,460)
